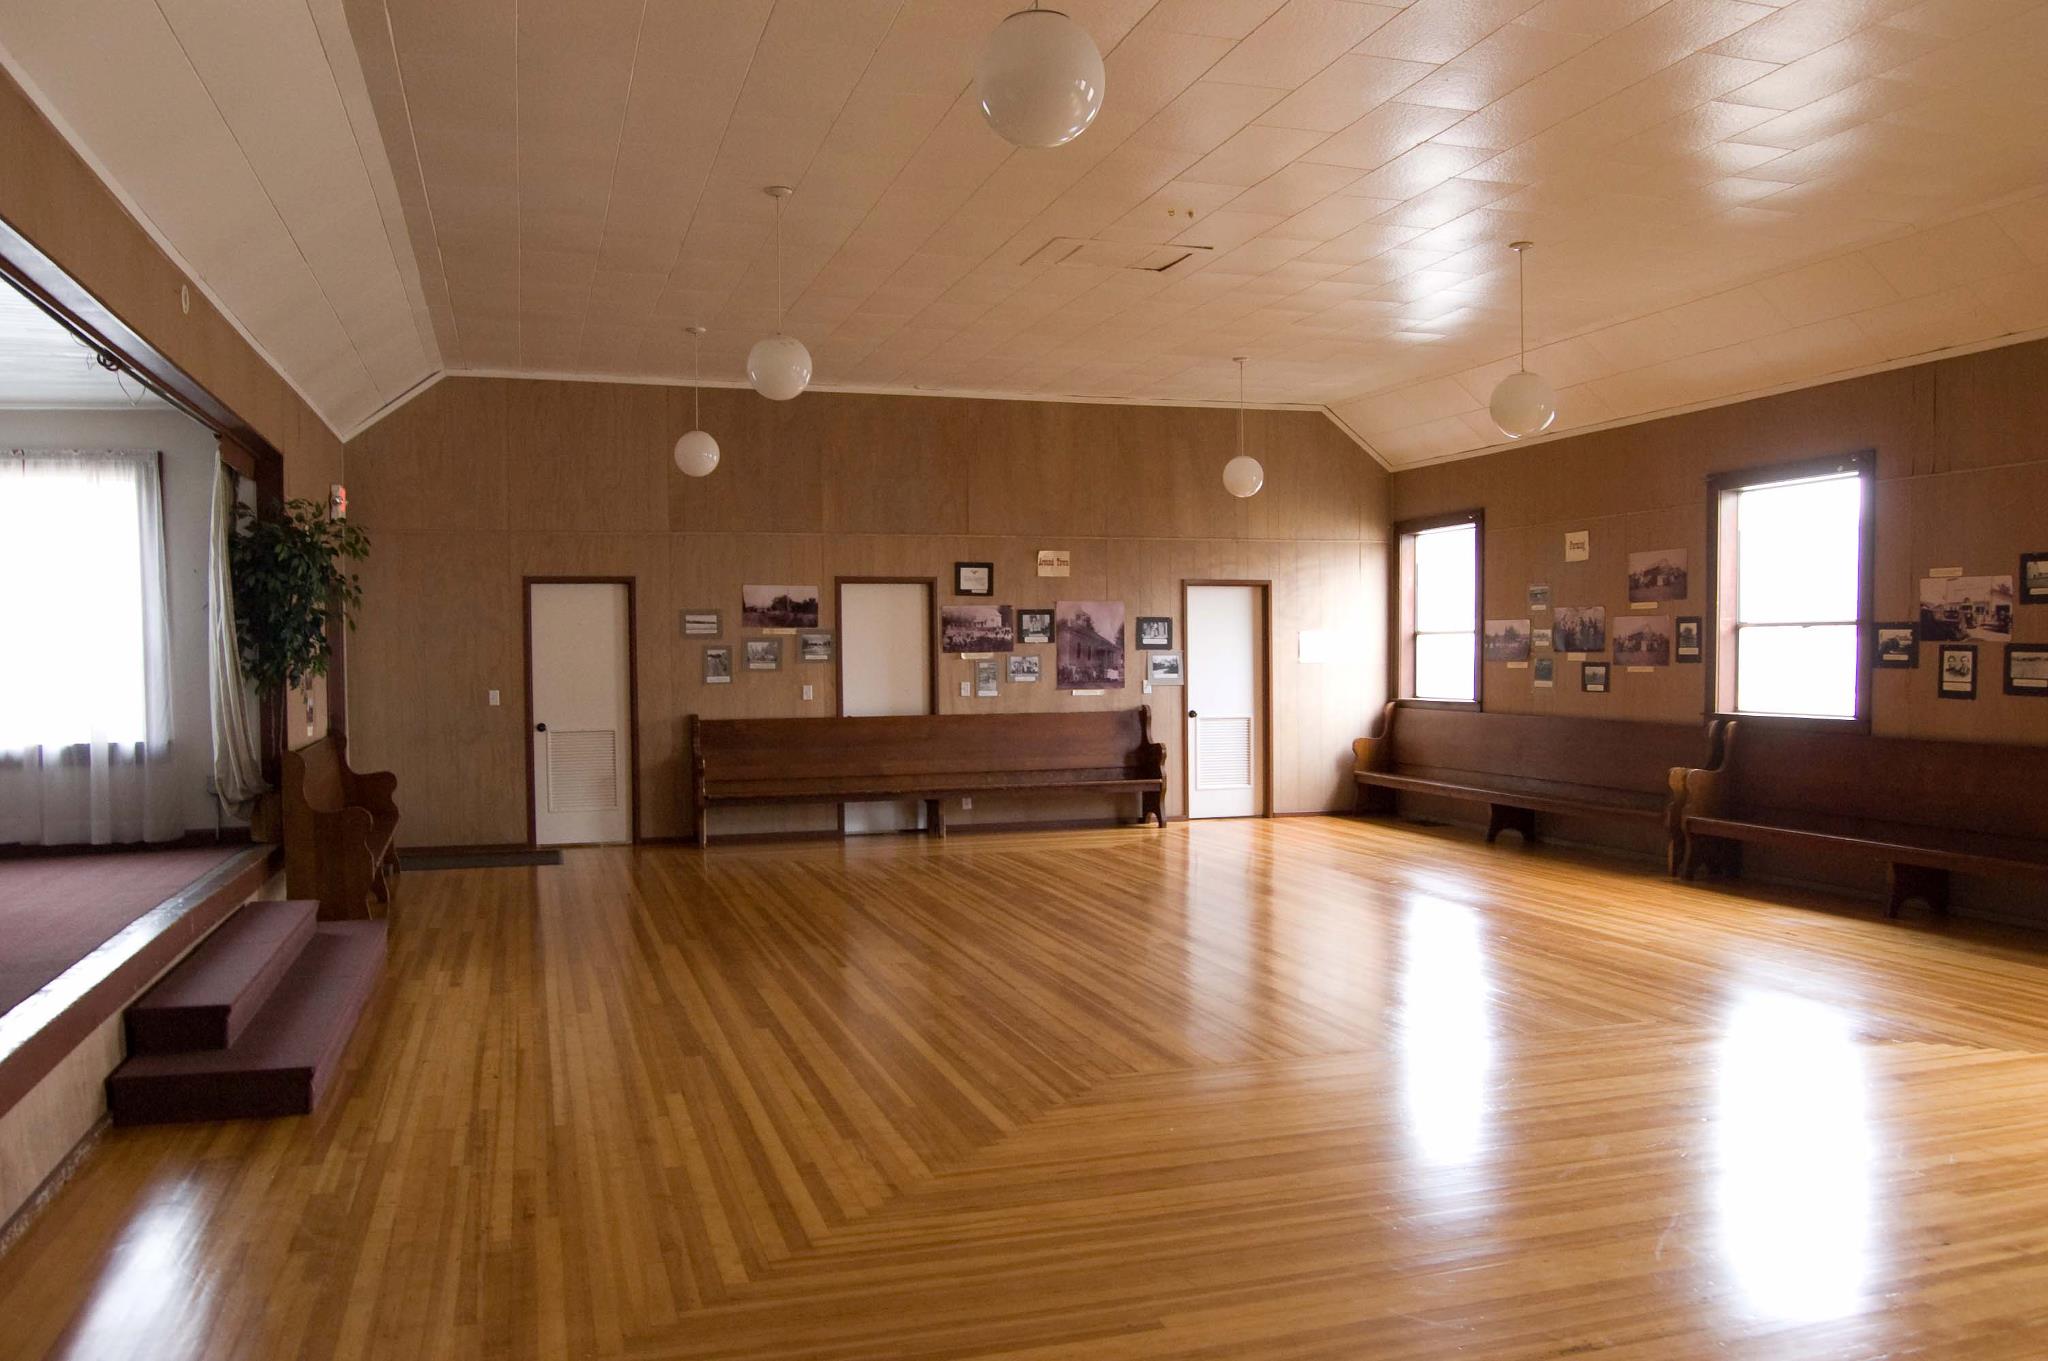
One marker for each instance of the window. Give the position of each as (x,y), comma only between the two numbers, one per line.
(81,599)
(1439,609)
(1790,555)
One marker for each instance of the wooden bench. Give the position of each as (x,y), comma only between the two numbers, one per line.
(1923,807)
(1520,765)
(340,827)
(926,757)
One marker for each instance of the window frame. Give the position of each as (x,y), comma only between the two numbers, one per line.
(1718,643)
(1400,575)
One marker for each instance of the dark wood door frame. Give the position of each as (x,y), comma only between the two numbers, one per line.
(47,284)
(931,682)
(526,585)
(1263,675)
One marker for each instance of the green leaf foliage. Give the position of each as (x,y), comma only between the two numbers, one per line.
(288,574)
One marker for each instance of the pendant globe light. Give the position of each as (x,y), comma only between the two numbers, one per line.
(1040,79)
(1523,404)
(779,367)
(696,452)
(1243,475)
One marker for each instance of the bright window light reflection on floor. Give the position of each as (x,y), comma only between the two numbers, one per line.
(1798,594)
(1796,1158)
(1446,1030)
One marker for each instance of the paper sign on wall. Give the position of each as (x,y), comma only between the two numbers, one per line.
(1578,545)
(1055,562)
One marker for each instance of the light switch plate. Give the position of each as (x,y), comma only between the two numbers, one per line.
(494,699)
(967,689)
(807,692)
(966,803)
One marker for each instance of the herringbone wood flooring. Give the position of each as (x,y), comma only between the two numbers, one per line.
(1308,1088)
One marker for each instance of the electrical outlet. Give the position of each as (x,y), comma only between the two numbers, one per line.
(494,699)
(967,689)
(1148,687)
(967,803)
(807,692)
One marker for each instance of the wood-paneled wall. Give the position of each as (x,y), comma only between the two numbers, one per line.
(52,197)
(481,482)
(1962,482)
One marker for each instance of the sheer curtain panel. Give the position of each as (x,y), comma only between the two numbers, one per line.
(85,685)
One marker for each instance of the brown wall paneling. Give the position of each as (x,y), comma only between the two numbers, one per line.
(479,482)
(1961,479)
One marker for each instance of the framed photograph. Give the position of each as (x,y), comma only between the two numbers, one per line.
(1544,671)
(1090,642)
(1539,596)
(814,647)
(1539,640)
(976,628)
(1965,609)
(2026,669)
(1593,678)
(1895,646)
(764,654)
(2034,578)
(1034,626)
(1958,671)
(1163,668)
(987,678)
(1154,631)
(718,666)
(779,607)
(1643,640)
(1691,630)
(1024,668)
(702,624)
(1506,640)
(1580,628)
(974,578)
(1656,575)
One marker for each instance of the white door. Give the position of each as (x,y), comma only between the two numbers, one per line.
(582,713)
(885,660)
(1223,678)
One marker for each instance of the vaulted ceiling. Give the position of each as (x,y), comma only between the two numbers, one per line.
(1727,197)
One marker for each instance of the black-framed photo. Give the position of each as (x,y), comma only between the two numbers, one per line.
(1155,631)
(1692,629)
(1025,668)
(1958,677)
(718,666)
(2034,578)
(764,654)
(779,607)
(814,647)
(1593,678)
(974,578)
(1034,626)
(702,624)
(2026,669)
(1895,647)
(1544,672)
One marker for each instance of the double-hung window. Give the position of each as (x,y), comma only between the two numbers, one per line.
(1438,584)
(1792,548)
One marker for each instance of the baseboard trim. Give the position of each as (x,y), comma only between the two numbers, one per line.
(46,1190)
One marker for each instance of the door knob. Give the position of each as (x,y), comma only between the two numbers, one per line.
(540,727)
(1193,714)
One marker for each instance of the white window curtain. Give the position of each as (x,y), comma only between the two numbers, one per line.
(237,769)
(85,683)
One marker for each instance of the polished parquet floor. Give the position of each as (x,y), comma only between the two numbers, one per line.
(1296,1089)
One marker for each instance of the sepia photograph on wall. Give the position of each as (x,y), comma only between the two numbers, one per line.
(976,628)
(1089,635)
(779,607)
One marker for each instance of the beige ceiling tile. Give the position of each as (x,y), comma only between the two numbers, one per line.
(1870,52)
(2026,223)
(1258,256)
(1170,212)
(1947,256)
(1831,288)
(1204,115)
(2019,301)
(1805,27)
(1345,91)
(1445,202)
(1594,18)
(1362,243)
(1300,39)
(1437,31)
(1381,135)
(1231,19)
(1417,171)
(1730,318)
(1509,56)
(1228,229)
(1334,216)
(1932,321)
(1252,155)
(1294,187)
(1641,340)
(1832,115)
(1958,18)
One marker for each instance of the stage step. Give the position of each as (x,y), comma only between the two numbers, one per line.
(286,1056)
(207,1000)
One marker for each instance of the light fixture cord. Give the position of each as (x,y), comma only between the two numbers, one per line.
(1522,302)
(778,264)
(697,380)
(1240,408)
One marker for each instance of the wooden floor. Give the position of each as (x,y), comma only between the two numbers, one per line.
(1308,1088)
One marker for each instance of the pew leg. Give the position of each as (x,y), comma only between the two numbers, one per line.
(1728,858)
(703,826)
(1152,808)
(935,816)
(1506,819)
(1375,800)
(1905,882)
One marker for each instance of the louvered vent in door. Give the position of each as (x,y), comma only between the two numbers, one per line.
(583,771)
(1223,753)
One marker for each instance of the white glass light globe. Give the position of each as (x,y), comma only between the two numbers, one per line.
(696,454)
(1040,79)
(1243,476)
(1523,404)
(779,367)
